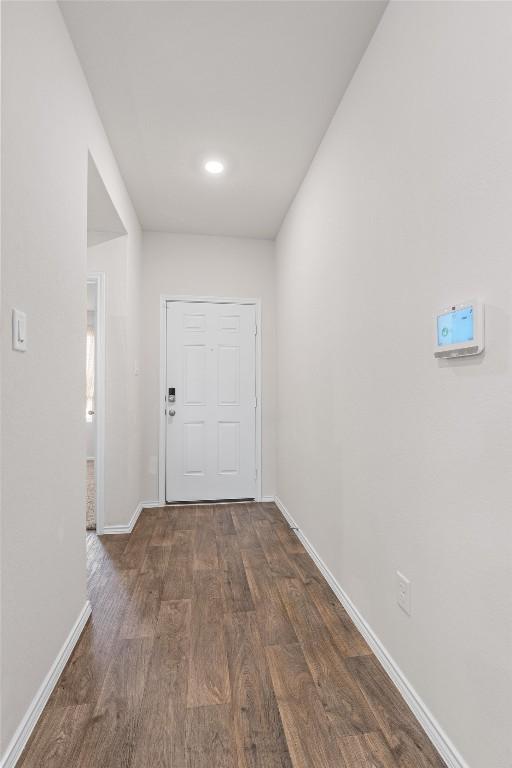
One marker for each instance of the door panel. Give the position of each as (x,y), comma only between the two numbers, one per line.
(229,447)
(211,438)
(193,448)
(229,375)
(194,374)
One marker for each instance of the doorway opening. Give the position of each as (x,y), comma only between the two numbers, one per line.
(103,224)
(90,405)
(94,400)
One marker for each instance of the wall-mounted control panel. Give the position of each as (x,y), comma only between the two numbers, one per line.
(459,330)
(19,330)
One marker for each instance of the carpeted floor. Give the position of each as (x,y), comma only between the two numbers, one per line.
(91,496)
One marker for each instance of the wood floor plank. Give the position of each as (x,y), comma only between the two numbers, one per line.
(290,541)
(184,518)
(161,741)
(179,577)
(258,729)
(256,511)
(156,562)
(279,562)
(304,617)
(142,611)
(83,675)
(163,531)
(270,512)
(345,706)
(224,520)
(205,543)
(309,736)
(111,549)
(405,737)
(244,529)
(110,603)
(346,636)
(208,680)
(254,557)
(273,621)
(104,561)
(368,750)
(56,741)
(235,588)
(112,731)
(136,545)
(210,739)
(306,568)
(142,530)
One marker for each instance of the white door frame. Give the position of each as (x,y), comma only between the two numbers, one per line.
(256,303)
(98,279)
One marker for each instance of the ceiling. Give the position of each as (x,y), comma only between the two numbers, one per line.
(252,83)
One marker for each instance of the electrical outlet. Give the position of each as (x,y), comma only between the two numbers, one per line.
(403,592)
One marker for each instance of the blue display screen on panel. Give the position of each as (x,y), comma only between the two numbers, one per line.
(455,327)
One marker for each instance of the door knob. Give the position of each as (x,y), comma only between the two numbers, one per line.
(172,412)
(91,413)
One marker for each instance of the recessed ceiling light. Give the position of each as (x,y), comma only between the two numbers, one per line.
(214,167)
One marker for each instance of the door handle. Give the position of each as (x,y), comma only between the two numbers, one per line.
(172,412)
(91,413)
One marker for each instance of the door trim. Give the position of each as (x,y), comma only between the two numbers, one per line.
(162,402)
(98,279)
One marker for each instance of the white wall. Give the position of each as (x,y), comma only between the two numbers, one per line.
(49,123)
(399,461)
(204,266)
(122,448)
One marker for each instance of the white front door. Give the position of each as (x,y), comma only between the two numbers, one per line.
(211,425)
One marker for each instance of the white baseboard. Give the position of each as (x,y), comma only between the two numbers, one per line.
(128,527)
(435,733)
(33,713)
(268,498)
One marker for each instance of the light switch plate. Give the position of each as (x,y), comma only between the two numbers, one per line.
(403,592)
(19,330)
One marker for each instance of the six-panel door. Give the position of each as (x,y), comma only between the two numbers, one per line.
(211,365)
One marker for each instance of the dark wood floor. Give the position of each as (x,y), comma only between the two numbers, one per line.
(216,643)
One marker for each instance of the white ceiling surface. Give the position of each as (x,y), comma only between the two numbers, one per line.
(254,83)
